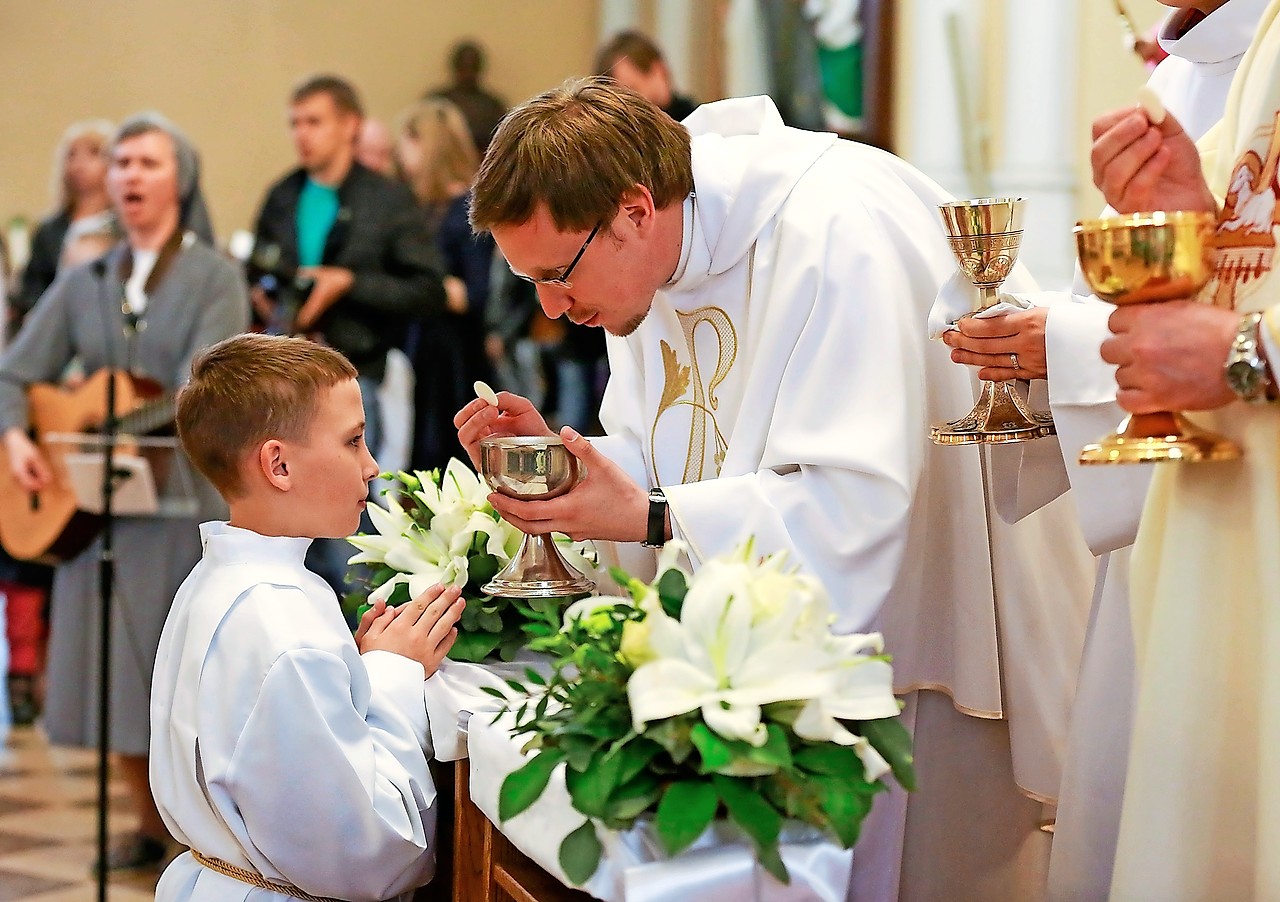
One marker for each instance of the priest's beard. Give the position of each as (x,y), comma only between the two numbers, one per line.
(630,325)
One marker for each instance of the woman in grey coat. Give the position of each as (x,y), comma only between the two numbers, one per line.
(183,297)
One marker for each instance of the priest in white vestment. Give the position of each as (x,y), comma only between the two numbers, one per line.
(766,296)
(1058,340)
(1201,817)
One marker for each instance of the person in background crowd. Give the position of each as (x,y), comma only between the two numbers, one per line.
(374,148)
(635,62)
(482,110)
(82,225)
(438,159)
(351,252)
(185,296)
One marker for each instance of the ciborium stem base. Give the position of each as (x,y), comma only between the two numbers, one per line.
(538,571)
(1154,437)
(1000,416)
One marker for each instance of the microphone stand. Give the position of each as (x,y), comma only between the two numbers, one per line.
(106,587)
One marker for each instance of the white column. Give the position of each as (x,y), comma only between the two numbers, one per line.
(935,140)
(1035,156)
(617,15)
(674,35)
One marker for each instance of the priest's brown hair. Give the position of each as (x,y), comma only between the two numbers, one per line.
(247,390)
(579,149)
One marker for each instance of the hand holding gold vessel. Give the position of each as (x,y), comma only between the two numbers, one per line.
(1144,259)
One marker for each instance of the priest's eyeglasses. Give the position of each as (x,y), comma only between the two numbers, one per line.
(562,280)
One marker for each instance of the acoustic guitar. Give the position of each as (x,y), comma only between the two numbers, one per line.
(47,525)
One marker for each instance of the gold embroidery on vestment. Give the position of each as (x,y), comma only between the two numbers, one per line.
(1245,240)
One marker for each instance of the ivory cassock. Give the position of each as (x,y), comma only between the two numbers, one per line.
(1201,815)
(781,387)
(1192,83)
(275,745)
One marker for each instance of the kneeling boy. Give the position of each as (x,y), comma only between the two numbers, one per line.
(287,755)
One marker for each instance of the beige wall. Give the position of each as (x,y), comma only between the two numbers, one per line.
(221,69)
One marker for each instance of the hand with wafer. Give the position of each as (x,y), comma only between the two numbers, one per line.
(1143,160)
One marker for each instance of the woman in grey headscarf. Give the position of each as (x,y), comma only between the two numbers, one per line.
(194,214)
(148,306)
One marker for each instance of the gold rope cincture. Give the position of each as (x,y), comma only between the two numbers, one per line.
(253,878)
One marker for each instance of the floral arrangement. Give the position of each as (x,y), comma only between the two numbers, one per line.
(440,528)
(719,694)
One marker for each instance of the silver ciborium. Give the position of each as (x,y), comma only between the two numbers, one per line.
(533,468)
(985,235)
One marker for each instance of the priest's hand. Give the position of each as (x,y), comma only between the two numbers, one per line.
(997,343)
(514,415)
(606,505)
(1170,356)
(1140,167)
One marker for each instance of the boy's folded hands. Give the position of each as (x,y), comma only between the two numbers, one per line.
(423,629)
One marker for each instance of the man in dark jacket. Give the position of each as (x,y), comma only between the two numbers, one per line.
(345,245)
(346,254)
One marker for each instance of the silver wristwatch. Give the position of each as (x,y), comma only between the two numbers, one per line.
(1246,370)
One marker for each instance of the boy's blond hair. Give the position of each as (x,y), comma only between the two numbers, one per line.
(247,390)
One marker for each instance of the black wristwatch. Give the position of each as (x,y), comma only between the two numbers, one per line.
(656,534)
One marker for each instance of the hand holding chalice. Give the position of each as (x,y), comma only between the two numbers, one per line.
(533,467)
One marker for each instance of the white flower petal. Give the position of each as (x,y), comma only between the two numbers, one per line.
(864,691)
(383,592)
(665,688)
(872,761)
(735,721)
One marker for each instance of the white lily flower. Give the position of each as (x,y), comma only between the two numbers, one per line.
(713,659)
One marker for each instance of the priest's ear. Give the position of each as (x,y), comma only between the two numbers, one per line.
(273,464)
(637,205)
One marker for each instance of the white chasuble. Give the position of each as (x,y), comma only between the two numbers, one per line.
(782,387)
(1192,83)
(1201,815)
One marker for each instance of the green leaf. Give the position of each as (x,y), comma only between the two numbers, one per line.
(828,758)
(716,752)
(473,647)
(590,789)
(534,677)
(489,622)
(686,809)
(580,854)
(522,787)
(672,589)
(673,734)
(749,810)
(890,738)
(771,860)
(636,754)
(846,807)
(631,800)
(775,750)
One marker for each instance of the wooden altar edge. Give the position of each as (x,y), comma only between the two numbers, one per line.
(482,865)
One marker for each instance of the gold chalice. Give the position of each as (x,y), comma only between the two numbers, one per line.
(985,235)
(1145,258)
(532,467)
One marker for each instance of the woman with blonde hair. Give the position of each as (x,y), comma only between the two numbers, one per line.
(81,225)
(436,155)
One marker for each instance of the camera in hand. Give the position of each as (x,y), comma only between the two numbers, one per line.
(282,284)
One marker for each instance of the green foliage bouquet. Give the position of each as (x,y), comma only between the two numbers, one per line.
(722,694)
(440,528)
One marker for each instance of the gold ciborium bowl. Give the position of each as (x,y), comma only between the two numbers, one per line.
(533,467)
(1145,258)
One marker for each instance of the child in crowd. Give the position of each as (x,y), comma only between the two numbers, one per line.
(286,755)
